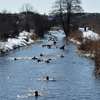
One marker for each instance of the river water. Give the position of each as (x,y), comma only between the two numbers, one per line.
(74,78)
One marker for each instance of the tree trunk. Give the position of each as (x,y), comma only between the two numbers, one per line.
(63,23)
(62,20)
(68,23)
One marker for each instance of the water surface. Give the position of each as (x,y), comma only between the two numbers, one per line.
(73,74)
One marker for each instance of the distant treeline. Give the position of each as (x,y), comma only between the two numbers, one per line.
(91,20)
(12,24)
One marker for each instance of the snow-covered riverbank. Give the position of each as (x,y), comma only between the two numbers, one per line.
(89,34)
(86,35)
(23,39)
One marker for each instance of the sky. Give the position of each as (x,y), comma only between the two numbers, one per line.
(44,6)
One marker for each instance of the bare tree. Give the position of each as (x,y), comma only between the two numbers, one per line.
(27,7)
(4,11)
(65,8)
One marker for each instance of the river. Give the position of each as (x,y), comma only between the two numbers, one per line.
(74,77)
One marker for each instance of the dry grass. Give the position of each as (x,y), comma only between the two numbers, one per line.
(76,35)
(97,61)
(89,46)
(34,37)
(92,47)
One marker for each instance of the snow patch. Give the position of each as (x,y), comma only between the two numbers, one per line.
(75,41)
(86,54)
(88,34)
(23,39)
